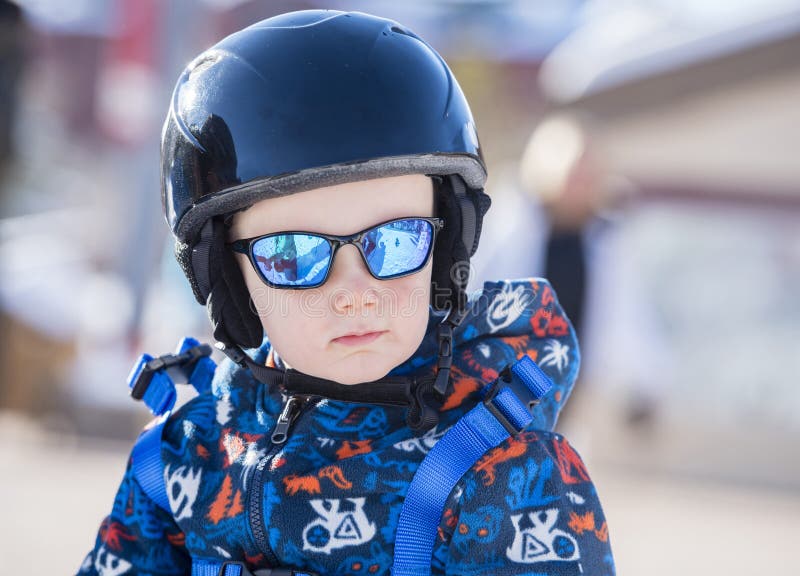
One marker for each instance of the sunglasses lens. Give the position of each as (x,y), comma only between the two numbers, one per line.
(398,247)
(293,259)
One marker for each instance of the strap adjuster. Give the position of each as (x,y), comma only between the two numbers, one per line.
(232,568)
(445,360)
(516,392)
(153,380)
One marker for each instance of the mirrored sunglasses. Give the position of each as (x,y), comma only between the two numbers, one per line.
(390,250)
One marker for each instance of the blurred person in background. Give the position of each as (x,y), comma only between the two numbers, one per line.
(563,170)
(11,61)
(563,173)
(12,37)
(548,205)
(565,206)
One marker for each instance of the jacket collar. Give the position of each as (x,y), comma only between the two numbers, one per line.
(505,320)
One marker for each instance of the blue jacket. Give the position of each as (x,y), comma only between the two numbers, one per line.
(328,499)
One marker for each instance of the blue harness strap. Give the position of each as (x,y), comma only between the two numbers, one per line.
(211,568)
(504,412)
(153,381)
(147,466)
(214,568)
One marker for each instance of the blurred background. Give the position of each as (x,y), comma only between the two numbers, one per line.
(643,155)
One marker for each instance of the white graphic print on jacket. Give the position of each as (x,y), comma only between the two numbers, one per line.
(557,355)
(423,444)
(182,485)
(507,306)
(107,564)
(337,528)
(539,541)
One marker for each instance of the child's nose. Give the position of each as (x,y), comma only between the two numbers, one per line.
(352,284)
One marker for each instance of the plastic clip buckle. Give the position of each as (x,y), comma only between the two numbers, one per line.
(233,569)
(240,569)
(445,338)
(153,379)
(526,382)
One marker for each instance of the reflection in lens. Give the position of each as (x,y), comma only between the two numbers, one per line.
(397,247)
(292,259)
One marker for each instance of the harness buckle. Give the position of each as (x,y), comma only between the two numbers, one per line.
(232,568)
(516,392)
(153,380)
(445,359)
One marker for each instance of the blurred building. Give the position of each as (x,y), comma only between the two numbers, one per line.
(696,289)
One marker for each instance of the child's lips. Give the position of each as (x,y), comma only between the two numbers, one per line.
(359,339)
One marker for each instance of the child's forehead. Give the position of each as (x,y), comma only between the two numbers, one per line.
(340,209)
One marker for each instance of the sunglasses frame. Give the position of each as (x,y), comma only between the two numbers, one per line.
(245,246)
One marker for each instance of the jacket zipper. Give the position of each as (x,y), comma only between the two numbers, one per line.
(292,409)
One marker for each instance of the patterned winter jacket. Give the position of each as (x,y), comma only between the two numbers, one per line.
(329,498)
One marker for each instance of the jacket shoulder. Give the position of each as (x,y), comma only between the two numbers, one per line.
(236,404)
(528,504)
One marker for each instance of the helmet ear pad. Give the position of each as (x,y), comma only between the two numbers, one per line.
(218,283)
(462,209)
(230,307)
(450,257)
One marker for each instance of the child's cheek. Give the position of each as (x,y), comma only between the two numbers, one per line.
(415,291)
(411,314)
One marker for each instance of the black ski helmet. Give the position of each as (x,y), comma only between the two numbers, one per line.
(301,101)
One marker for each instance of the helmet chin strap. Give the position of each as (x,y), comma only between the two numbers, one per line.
(422,395)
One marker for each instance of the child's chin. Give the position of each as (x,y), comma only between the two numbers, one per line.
(362,368)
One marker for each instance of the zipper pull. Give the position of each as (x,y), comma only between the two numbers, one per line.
(285,420)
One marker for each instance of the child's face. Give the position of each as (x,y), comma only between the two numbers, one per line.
(306,326)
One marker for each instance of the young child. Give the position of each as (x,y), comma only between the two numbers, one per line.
(322,176)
